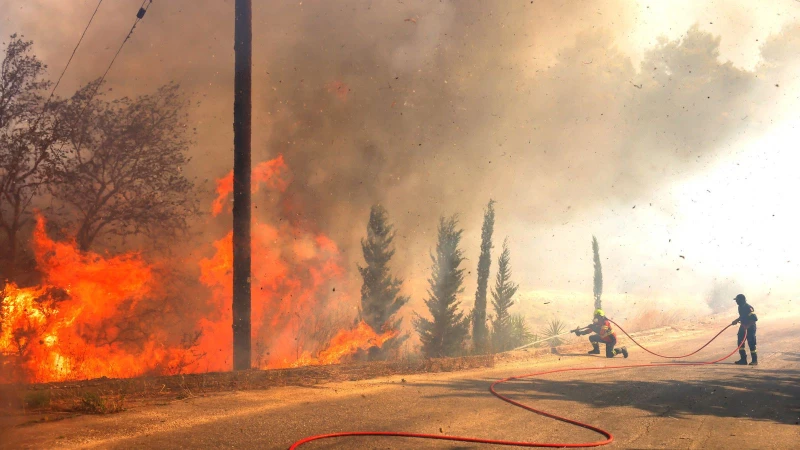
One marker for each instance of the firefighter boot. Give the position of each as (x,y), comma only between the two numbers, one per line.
(621,351)
(754,356)
(743,356)
(595,349)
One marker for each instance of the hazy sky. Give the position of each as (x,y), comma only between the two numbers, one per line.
(666,129)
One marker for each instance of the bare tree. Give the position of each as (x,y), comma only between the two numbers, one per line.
(26,137)
(122,173)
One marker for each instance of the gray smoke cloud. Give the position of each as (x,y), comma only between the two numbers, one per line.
(721,295)
(433,108)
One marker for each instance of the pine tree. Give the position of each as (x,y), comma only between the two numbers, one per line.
(380,298)
(479,329)
(502,299)
(598,274)
(445,335)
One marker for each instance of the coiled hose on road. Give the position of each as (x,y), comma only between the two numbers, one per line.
(608,436)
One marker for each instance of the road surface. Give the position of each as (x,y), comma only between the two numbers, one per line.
(720,406)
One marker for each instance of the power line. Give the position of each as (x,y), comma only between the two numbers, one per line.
(73,54)
(139,15)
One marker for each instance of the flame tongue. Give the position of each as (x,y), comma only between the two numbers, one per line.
(345,343)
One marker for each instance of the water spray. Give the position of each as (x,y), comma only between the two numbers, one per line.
(548,338)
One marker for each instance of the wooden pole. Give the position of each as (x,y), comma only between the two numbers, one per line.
(243,49)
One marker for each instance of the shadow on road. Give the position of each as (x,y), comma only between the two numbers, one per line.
(583,355)
(735,392)
(791,356)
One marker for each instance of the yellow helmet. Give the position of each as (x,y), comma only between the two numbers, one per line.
(599,313)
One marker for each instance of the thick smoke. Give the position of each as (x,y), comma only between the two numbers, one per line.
(432,108)
(721,296)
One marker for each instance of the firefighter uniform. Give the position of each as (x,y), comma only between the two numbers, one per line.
(603,334)
(747,322)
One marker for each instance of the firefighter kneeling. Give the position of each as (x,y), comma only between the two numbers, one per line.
(603,333)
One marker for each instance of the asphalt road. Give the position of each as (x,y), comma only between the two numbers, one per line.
(720,406)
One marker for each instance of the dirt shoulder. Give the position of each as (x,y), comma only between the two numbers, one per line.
(182,395)
(45,402)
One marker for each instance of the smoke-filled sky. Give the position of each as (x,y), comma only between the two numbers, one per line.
(666,129)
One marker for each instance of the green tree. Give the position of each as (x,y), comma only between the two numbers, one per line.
(598,274)
(380,298)
(479,330)
(502,300)
(445,334)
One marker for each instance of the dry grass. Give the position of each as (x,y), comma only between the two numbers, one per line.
(649,319)
(94,402)
(104,396)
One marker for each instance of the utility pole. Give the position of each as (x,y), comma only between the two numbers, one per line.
(243,49)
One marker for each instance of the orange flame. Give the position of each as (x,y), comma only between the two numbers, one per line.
(270,173)
(345,343)
(69,327)
(291,270)
(88,319)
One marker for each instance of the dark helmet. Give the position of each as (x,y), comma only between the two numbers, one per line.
(740,299)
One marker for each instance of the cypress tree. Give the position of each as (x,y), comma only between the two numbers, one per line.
(479,330)
(380,299)
(445,334)
(598,274)
(502,300)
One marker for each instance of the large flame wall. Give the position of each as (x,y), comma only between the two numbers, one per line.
(98,315)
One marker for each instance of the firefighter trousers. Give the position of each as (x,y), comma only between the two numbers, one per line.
(751,338)
(596,341)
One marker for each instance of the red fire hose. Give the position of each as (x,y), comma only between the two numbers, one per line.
(608,437)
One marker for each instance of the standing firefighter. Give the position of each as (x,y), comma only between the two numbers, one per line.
(603,333)
(747,321)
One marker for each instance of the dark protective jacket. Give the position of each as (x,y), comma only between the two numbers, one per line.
(747,315)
